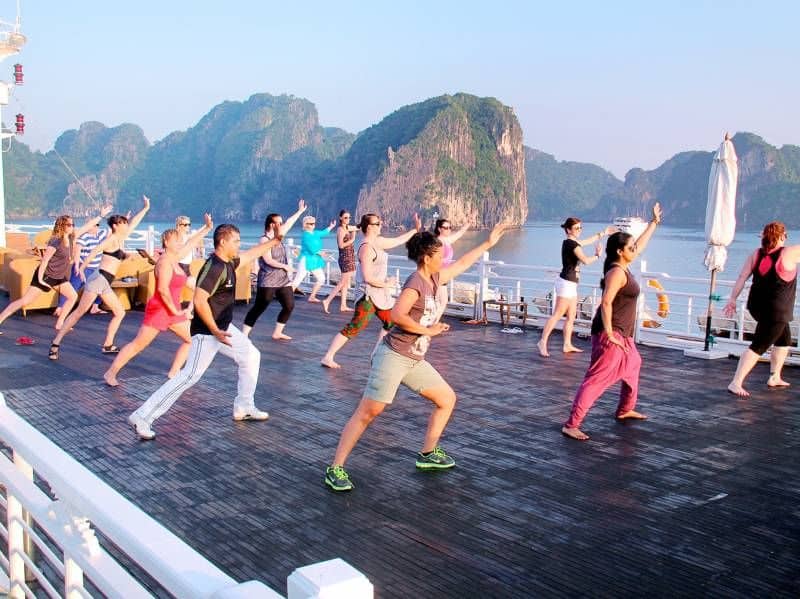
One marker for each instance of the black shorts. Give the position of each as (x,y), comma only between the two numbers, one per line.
(50,281)
(770,333)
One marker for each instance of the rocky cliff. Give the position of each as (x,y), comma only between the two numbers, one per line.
(457,156)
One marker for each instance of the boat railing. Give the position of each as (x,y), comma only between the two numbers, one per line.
(69,534)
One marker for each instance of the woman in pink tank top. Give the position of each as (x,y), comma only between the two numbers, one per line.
(163,310)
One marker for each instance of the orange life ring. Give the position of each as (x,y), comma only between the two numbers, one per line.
(663,300)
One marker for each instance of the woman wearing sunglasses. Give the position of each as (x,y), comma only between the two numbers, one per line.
(614,354)
(345,238)
(444,232)
(572,256)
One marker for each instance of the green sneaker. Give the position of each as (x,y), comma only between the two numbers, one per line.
(337,478)
(435,459)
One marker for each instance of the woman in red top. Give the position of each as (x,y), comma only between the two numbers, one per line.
(163,310)
(771,302)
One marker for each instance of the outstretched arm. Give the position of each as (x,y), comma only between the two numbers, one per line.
(289,222)
(598,236)
(386,243)
(137,218)
(644,238)
(258,250)
(194,239)
(584,259)
(104,211)
(456,268)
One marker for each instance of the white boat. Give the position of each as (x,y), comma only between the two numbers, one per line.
(630,224)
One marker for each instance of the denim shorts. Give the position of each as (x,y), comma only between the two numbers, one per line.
(390,370)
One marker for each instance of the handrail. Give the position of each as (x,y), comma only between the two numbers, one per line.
(83,497)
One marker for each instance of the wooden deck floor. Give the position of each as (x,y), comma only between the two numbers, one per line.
(703,499)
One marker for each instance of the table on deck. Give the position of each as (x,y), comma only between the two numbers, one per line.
(504,306)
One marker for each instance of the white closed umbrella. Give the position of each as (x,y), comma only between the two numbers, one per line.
(720,215)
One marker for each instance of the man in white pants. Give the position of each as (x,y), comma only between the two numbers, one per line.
(213,332)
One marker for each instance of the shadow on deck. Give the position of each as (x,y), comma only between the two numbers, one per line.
(700,500)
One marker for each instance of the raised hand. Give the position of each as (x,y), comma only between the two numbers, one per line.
(497,232)
(301,204)
(598,249)
(611,229)
(657,212)
(208,221)
(146,202)
(106,210)
(417,222)
(332,224)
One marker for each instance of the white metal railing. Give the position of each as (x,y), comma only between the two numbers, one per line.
(683,326)
(62,531)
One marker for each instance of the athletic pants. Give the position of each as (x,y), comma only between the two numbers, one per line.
(264,295)
(608,365)
(201,354)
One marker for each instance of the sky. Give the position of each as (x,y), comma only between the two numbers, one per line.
(620,84)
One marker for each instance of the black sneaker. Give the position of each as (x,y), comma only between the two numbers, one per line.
(436,459)
(337,478)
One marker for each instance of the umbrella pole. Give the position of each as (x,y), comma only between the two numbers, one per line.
(710,308)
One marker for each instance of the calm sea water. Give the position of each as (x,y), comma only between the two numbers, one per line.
(672,250)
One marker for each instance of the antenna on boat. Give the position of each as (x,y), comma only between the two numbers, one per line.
(11,42)
(74,176)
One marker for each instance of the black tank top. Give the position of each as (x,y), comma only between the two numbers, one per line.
(570,269)
(771,299)
(623,308)
(119,254)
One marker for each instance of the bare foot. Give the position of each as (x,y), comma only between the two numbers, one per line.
(281,337)
(542,349)
(574,433)
(631,415)
(314,300)
(572,350)
(328,363)
(346,309)
(777,382)
(110,379)
(325,306)
(737,390)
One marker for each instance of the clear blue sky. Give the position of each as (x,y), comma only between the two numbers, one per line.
(620,84)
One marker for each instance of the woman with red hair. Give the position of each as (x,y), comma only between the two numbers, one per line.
(771,302)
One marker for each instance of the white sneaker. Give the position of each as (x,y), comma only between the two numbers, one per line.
(249,414)
(141,427)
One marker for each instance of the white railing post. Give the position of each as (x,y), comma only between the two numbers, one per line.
(640,301)
(333,578)
(150,240)
(519,291)
(689,309)
(483,284)
(16,547)
(73,579)
(27,543)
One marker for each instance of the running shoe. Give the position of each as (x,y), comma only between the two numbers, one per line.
(142,427)
(337,478)
(249,414)
(436,459)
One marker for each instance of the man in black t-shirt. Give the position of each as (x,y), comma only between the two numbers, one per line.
(213,332)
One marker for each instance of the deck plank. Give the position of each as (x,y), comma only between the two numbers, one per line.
(526,512)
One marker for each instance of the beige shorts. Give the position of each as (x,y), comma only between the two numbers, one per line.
(98,284)
(390,370)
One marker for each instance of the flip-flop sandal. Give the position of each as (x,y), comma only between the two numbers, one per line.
(53,353)
(110,349)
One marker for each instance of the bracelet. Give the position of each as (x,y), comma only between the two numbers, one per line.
(656,221)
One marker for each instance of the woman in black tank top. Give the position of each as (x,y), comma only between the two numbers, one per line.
(771,302)
(572,257)
(614,354)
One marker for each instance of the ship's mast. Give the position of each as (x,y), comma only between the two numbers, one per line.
(11,41)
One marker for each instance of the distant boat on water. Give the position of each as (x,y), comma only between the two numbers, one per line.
(634,225)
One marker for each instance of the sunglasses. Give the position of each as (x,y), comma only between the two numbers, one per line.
(186,224)
(448,227)
(377,224)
